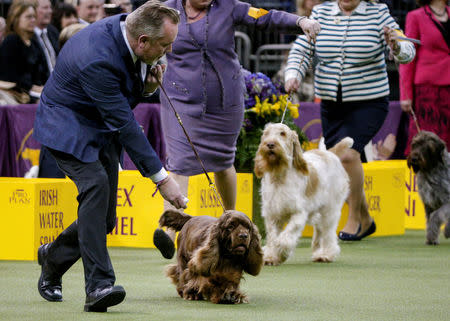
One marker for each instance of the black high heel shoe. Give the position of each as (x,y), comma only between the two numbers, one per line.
(372,228)
(344,236)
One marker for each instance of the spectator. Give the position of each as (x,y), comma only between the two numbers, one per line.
(88,10)
(206,86)
(64,15)
(47,36)
(351,81)
(69,31)
(19,53)
(425,83)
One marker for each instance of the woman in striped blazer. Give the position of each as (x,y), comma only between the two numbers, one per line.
(352,83)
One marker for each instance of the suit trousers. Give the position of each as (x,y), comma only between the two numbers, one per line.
(86,237)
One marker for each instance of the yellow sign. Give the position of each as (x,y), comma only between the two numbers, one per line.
(138,212)
(385,192)
(36,211)
(414,209)
(33,212)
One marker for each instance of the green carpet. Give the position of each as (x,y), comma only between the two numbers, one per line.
(384,278)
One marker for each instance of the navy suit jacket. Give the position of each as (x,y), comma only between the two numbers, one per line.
(90,95)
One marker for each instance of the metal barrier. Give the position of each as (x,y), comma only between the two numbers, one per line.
(243,47)
(268,58)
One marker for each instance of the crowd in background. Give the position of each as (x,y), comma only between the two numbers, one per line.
(27,58)
(33,31)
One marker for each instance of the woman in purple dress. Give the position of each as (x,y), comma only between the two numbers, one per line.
(204,82)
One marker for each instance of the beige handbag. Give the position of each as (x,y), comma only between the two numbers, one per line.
(10,95)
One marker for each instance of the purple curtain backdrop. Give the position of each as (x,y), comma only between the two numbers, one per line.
(4,139)
(18,148)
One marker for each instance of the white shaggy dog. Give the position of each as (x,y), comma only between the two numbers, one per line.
(299,188)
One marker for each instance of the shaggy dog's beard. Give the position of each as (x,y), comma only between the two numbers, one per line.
(275,157)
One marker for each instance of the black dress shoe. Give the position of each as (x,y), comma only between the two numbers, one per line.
(344,236)
(164,243)
(49,285)
(100,299)
(372,228)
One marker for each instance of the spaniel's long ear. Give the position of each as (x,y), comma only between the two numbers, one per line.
(298,161)
(260,163)
(205,259)
(254,260)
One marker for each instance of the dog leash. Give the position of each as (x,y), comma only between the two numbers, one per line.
(211,184)
(400,36)
(289,98)
(413,114)
(286,107)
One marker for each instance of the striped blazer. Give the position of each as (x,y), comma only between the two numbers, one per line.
(350,50)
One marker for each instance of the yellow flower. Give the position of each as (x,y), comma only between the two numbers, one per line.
(293,110)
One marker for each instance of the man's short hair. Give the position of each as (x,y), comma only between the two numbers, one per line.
(148,19)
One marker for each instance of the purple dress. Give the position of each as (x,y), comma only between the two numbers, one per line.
(206,86)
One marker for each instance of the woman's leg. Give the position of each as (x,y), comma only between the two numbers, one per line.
(226,182)
(357,205)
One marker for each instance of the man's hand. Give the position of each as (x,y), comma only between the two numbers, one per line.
(310,27)
(406,105)
(292,85)
(390,35)
(170,191)
(155,74)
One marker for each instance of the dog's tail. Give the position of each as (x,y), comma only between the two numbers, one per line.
(173,219)
(342,146)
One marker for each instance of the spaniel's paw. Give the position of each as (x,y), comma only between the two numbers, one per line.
(323,256)
(271,256)
(432,242)
(322,259)
(234,297)
(271,261)
(192,295)
(447,231)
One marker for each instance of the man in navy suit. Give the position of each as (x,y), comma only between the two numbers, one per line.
(85,119)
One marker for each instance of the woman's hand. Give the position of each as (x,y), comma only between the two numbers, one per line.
(310,27)
(155,75)
(292,85)
(406,105)
(390,35)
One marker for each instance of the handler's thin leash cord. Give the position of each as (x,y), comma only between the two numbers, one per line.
(289,99)
(418,42)
(211,184)
(412,113)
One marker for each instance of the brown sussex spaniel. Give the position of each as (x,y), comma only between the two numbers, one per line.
(212,255)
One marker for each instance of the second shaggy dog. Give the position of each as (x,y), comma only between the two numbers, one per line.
(299,188)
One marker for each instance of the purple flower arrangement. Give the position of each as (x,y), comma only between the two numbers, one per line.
(258,84)
(264,103)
